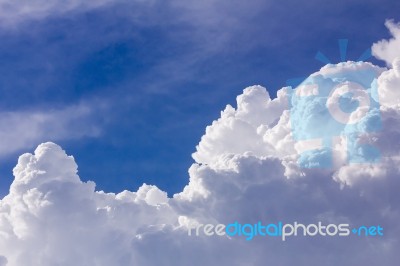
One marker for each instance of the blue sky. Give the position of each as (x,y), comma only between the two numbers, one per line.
(152,75)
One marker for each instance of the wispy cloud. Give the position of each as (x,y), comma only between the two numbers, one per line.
(27,128)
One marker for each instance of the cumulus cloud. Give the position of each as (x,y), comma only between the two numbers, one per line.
(246,169)
(389,85)
(388,50)
(255,113)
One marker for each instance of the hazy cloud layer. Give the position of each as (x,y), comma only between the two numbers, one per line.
(22,129)
(15,12)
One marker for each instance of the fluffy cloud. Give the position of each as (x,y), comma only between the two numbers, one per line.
(246,169)
(255,113)
(389,85)
(50,217)
(388,50)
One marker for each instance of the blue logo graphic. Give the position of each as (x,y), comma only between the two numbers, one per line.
(334,110)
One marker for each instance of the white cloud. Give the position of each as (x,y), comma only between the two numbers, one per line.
(388,50)
(22,129)
(389,85)
(255,113)
(246,170)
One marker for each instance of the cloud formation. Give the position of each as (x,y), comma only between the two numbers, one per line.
(388,50)
(389,85)
(246,170)
(27,128)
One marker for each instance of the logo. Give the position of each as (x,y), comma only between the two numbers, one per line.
(333,111)
(283,231)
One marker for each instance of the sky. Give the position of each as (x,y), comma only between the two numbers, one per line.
(129,86)
(124,124)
